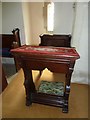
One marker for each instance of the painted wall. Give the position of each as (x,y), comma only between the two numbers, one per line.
(89,41)
(37,21)
(63,17)
(0,17)
(27,22)
(12,17)
(80,41)
(34,20)
(35,25)
(75,21)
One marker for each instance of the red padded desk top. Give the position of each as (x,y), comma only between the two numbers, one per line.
(61,52)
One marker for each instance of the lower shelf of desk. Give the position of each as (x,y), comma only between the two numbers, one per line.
(46,99)
(50,93)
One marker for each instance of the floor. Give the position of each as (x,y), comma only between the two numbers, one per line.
(13,99)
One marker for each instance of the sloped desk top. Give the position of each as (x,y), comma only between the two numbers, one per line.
(60,52)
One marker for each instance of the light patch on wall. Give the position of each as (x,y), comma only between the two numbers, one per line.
(50,16)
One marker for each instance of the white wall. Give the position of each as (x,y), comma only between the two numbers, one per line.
(0,23)
(89,41)
(63,17)
(35,25)
(64,23)
(27,22)
(37,21)
(80,41)
(12,17)
(0,17)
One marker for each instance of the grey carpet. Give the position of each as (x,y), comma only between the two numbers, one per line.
(9,69)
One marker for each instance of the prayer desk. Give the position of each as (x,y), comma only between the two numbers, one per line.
(56,59)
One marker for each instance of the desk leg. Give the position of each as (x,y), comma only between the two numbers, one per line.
(67,88)
(29,86)
(40,72)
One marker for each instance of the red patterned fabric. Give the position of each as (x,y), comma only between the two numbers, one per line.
(62,51)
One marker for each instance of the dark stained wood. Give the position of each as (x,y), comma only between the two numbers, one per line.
(55,62)
(7,40)
(46,99)
(28,83)
(11,41)
(67,86)
(3,81)
(16,37)
(55,40)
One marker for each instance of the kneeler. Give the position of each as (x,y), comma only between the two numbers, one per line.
(52,88)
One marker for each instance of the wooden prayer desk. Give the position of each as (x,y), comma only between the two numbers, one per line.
(56,59)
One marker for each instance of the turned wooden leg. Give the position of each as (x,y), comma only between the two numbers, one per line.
(29,86)
(28,92)
(66,98)
(18,64)
(67,88)
(40,72)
